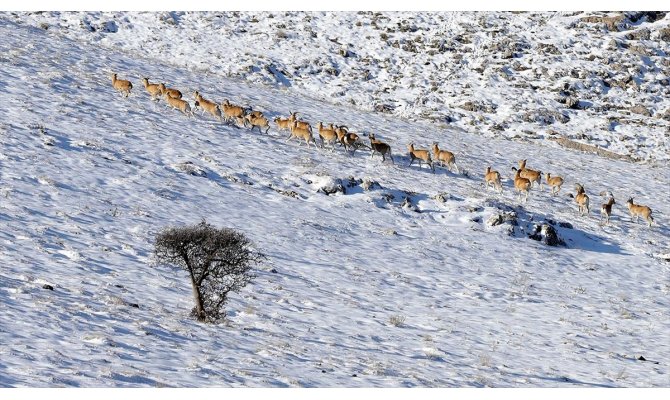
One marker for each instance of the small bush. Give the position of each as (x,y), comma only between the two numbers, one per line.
(397,320)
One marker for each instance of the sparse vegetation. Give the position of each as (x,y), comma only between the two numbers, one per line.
(397,320)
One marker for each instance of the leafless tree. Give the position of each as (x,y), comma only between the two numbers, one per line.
(218,261)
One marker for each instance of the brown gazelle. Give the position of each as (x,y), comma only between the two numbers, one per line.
(420,154)
(232,112)
(352,141)
(581,198)
(637,210)
(283,124)
(301,133)
(555,182)
(257,120)
(255,114)
(606,208)
(530,174)
(169,92)
(493,178)
(179,104)
(341,132)
(444,157)
(521,184)
(208,106)
(152,88)
(327,135)
(379,147)
(121,85)
(301,124)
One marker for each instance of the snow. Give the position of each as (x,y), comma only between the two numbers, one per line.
(367,292)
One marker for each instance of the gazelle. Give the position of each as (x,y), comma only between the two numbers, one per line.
(152,88)
(169,92)
(493,178)
(301,124)
(521,184)
(232,112)
(301,133)
(179,104)
(353,141)
(283,124)
(606,208)
(530,174)
(121,85)
(421,155)
(327,135)
(258,121)
(208,106)
(555,183)
(582,199)
(379,147)
(637,210)
(444,156)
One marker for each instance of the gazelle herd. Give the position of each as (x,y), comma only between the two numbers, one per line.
(339,134)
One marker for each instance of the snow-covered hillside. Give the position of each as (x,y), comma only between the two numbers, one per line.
(596,78)
(405,283)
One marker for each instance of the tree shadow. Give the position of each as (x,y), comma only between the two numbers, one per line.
(561,379)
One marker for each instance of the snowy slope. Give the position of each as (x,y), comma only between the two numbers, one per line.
(365,293)
(597,78)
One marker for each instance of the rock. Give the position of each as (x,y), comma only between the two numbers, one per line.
(649,16)
(546,117)
(572,103)
(108,27)
(517,66)
(384,108)
(289,193)
(169,18)
(48,287)
(190,168)
(369,184)
(388,197)
(664,34)
(332,189)
(346,53)
(442,197)
(407,204)
(640,110)
(614,23)
(353,182)
(642,34)
(546,234)
(510,217)
(551,237)
(478,107)
(495,220)
(547,48)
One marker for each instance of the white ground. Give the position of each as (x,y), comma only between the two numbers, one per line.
(366,293)
(516,67)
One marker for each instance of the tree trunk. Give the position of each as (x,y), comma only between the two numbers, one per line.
(199,309)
